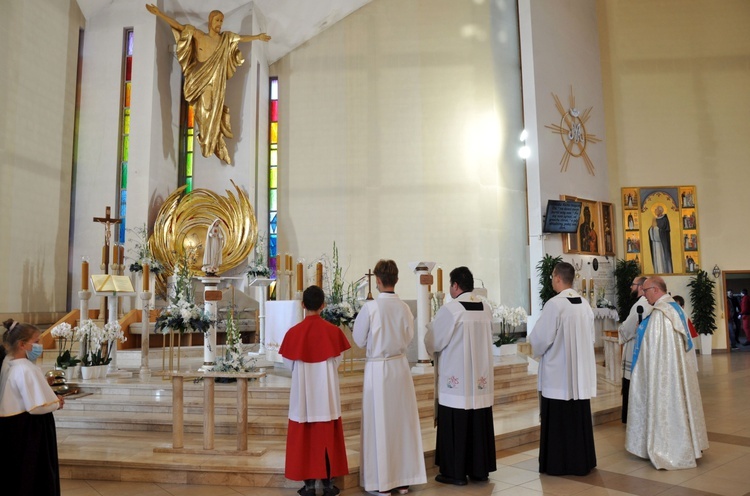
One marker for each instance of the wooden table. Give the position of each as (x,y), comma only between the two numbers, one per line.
(178,403)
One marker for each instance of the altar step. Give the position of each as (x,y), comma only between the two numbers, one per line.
(133,406)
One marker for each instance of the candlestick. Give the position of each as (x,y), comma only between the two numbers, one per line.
(146,277)
(440,279)
(299,277)
(84,275)
(319,275)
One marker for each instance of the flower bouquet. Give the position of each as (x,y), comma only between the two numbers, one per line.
(65,337)
(234,359)
(91,337)
(341,305)
(259,266)
(143,255)
(509,318)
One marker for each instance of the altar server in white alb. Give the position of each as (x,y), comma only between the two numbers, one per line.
(391,455)
(665,416)
(563,338)
(460,340)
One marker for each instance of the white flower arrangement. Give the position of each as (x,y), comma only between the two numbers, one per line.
(91,337)
(65,335)
(259,266)
(341,304)
(234,359)
(142,252)
(508,317)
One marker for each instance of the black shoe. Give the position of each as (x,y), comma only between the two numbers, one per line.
(331,491)
(305,491)
(450,480)
(479,479)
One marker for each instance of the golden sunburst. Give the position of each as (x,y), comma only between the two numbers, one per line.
(184,219)
(572,131)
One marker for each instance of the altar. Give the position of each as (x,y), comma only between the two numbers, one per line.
(280,316)
(605,319)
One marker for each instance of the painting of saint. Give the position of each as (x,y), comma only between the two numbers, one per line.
(659,208)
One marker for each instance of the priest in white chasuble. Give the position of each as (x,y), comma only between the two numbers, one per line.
(391,455)
(460,339)
(563,338)
(665,415)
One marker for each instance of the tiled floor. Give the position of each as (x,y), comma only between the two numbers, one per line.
(724,385)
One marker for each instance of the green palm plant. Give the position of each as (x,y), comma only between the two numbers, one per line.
(544,269)
(704,302)
(625,272)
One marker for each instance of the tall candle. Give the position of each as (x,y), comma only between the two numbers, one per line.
(105,260)
(146,276)
(299,277)
(319,275)
(278,264)
(440,279)
(289,263)
(583,285)
(84,276)
(121,257)
(115,254)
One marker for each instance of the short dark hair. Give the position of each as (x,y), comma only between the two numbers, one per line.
(463,277)
(313,298)
(679,299)
(387,272)
(565,272)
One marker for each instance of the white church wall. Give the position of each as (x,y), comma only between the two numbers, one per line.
(99,129)
(37,98)
(560,51)
(678,104)
(392,141)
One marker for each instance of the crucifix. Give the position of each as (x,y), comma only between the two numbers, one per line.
(369,284)
(108,222)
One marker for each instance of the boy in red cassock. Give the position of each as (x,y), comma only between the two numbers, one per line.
(313,350)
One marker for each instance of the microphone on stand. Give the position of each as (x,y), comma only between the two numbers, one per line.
(639,309)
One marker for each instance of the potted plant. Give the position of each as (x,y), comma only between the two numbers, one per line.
(91,337)
(625,272)
(704,304)
(509,319)
(544,268)
(65,337)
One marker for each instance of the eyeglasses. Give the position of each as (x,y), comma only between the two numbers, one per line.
(646,289)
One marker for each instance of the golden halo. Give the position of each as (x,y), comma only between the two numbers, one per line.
(654,207)
(184,219)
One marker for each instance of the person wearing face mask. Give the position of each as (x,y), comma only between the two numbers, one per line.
(26,420)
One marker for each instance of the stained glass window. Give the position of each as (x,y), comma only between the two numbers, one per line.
(187,134)
(122,173)
(273,150)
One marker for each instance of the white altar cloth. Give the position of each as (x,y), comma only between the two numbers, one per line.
(605,319)
(280,316)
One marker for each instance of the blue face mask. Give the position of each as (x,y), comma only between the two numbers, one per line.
(36,352)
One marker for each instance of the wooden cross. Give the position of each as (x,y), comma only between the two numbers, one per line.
(108,223)
(369,284)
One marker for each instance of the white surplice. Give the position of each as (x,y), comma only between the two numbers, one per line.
(564,339)
(626,334)
(665,412)
(23,388)
(466,367)
(391,452)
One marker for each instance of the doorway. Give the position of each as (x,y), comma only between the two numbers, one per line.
(734,281)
